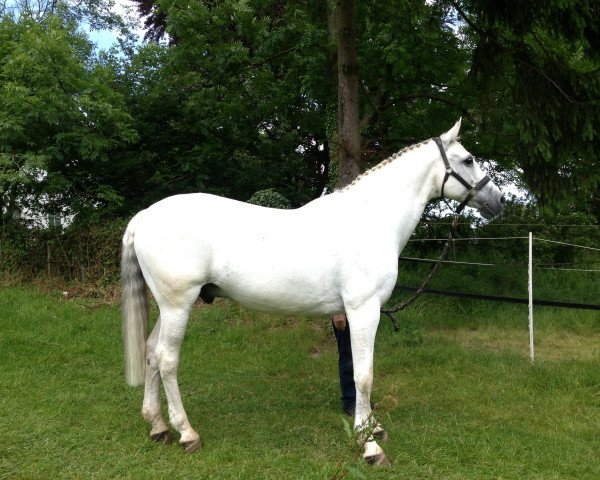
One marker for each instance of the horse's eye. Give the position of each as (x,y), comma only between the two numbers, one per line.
(469,161)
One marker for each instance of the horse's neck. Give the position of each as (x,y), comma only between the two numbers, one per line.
(396,194)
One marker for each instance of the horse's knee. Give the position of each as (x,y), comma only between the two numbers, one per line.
(363,382)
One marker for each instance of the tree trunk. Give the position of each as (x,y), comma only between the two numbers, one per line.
(342,27)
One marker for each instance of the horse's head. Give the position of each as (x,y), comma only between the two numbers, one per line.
(464,180)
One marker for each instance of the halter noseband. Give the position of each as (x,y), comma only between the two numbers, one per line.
(473,189)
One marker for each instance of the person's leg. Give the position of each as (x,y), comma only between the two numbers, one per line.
(346,370)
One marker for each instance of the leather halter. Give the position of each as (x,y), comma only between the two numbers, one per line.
(472,189)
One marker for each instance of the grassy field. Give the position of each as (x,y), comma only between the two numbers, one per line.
(455,387)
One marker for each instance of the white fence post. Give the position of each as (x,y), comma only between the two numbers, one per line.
(530,269)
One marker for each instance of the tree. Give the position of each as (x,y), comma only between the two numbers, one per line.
(276,63)
(155,19)
(342,26)
(420,66)
(542,61)
(98,14)
(243,100)
(60,118)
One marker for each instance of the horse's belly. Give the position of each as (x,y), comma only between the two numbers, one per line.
(291,306)
(283,295)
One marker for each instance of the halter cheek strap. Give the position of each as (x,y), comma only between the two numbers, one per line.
(472,189)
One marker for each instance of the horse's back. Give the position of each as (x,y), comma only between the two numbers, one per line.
(199,217)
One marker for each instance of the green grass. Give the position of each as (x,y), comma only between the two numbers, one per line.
(458,394)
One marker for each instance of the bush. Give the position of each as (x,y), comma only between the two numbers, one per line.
(88,252)
(270,198)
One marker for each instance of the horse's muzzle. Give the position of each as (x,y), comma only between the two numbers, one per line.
(490,211)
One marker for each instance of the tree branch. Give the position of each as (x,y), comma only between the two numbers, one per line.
(552,82)
(366,119)
(471,24)
(273,57)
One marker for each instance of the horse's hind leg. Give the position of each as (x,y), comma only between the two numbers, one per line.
(151,407)
(173,321)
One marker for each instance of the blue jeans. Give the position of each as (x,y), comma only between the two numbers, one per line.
(346,367)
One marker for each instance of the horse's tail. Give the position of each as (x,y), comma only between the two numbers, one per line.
(134,305)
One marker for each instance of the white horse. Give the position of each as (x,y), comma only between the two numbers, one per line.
(339,253)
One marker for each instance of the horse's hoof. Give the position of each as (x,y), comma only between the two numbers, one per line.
(164,438)
(379,460)
(191,445)
(381,435)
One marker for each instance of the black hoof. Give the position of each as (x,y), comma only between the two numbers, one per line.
(191,446)
(164,438)
(379,460)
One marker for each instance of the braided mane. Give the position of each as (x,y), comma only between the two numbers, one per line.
(383,163)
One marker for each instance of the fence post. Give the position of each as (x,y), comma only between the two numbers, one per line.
(530,283)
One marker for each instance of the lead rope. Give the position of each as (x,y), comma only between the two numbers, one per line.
(390,311)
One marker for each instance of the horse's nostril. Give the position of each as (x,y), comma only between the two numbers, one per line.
(502,199)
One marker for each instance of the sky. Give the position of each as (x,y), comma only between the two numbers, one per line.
(104,39)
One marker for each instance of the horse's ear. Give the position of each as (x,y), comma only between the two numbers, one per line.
(451,134)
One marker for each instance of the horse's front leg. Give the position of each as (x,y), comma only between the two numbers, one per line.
(168,347)
(363,322)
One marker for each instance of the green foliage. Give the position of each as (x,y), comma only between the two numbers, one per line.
(22,250)
(87,252)
(231,95)
(97,14)
(269,198)
(413,74)
(245,98)
(493,256)
(568,225)
(242,99)
(60,117)
(542,58)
